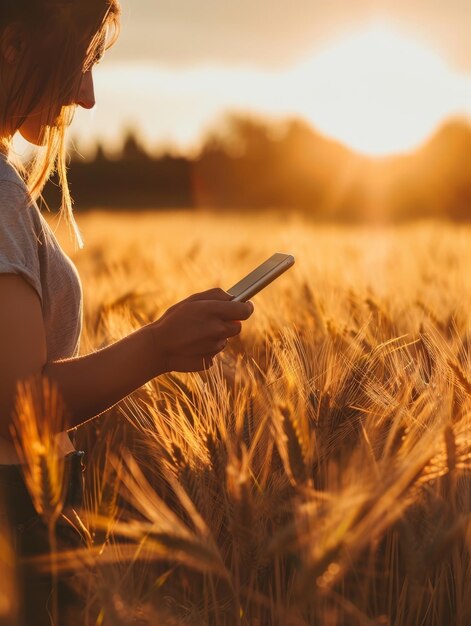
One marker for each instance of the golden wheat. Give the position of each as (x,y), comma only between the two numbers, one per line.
(319,472)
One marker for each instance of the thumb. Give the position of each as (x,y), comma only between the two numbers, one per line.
(210,294)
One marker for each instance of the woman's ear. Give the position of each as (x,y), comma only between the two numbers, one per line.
(12,43)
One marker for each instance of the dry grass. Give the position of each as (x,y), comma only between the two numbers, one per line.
(318,473)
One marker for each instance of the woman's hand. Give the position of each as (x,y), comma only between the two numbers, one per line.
(190,333)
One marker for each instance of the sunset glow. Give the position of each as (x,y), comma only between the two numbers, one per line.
(378,91)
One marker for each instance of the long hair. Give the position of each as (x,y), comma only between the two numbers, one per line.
(66,38)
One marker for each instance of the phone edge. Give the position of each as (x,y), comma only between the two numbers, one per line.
(261,284)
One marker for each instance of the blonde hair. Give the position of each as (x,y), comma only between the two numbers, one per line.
(66,38)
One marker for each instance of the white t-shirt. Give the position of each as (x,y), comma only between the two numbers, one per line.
(29,248)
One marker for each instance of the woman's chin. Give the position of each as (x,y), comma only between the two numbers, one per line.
(36,135)
(33,138)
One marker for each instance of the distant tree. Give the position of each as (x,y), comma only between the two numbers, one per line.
(132,149)
(100,154)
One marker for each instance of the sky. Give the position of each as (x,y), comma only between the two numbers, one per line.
(274,34)
(377,75)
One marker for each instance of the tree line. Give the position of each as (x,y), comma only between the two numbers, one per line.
(249,164)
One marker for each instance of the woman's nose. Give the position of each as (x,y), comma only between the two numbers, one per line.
(86,94)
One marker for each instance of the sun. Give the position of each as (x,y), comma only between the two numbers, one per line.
(376,90)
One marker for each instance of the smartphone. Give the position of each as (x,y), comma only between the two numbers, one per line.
(261,276)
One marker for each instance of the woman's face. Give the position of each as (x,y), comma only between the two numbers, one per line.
(31,128)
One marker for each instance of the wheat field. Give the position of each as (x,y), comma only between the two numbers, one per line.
(318,473)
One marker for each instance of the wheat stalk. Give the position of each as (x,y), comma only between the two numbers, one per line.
(38,419)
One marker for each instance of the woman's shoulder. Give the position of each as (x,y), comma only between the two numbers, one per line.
(9,175)
(19,232)
(15,200)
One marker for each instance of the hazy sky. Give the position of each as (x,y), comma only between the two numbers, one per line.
(277,33)
(379,75)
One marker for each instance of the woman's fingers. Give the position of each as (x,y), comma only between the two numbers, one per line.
(232,310)
(212,346)
(232,328)
(210,294)
(195,330)
(220,303)
(218,348)
(219,330)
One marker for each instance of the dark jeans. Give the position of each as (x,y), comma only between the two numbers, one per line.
(30,537)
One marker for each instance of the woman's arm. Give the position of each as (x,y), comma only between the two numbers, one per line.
(22,341)
(185,338)
(93,383)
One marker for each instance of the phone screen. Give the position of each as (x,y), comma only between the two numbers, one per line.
(262,275)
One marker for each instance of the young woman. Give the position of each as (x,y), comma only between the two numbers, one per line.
(48,49)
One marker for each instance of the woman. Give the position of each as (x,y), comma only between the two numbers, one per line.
(47,52)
